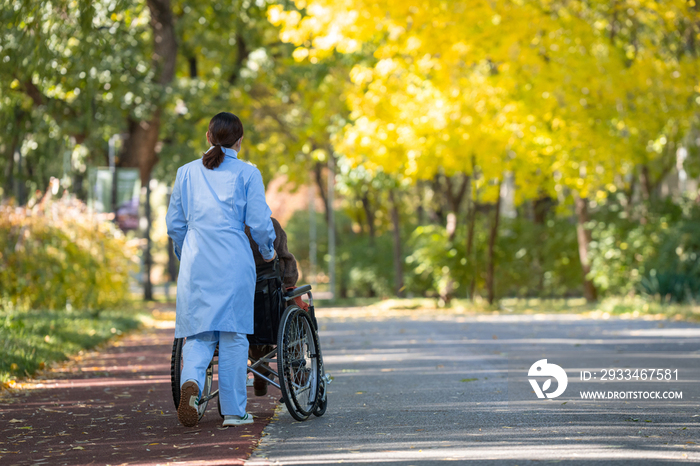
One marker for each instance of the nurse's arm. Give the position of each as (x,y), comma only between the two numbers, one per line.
(175,218)
(257,217)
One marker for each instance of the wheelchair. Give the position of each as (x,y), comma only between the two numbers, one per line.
(278,321)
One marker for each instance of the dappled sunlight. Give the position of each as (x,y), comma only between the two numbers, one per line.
(95,382)
(411,390)
(115,406)
(494,452)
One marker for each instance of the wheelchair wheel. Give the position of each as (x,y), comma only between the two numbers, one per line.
(176,371)
(298,363)
(322,401)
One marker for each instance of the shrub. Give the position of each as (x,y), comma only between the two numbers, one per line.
(659,257)
(56,254)
(531,260)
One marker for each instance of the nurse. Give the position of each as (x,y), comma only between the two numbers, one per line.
(213,200)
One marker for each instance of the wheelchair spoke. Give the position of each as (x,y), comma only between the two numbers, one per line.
(299,354)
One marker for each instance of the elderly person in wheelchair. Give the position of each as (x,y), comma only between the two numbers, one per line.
(289,274)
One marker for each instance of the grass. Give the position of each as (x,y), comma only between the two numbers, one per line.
(344,302)
(31,340)
(612,306)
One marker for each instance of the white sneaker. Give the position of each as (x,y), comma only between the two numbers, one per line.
(238,420)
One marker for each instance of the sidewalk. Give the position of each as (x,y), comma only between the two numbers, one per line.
(115,406)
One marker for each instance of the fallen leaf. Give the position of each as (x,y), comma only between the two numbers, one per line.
(16,420)
(78,448)
(468,380)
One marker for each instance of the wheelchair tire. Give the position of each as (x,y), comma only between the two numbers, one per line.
(176,371)
(322,401)
(298,363)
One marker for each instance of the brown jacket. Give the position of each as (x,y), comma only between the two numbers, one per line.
(288,263)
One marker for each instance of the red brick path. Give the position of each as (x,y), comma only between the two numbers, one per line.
(115,407)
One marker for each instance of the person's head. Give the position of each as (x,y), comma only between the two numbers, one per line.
(225,130)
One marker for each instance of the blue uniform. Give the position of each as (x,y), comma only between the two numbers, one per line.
(206,219)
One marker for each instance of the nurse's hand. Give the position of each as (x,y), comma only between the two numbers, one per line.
(273,257)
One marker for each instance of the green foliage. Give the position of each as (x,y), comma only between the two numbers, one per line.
(674,269)
(32,339)
(658,255)
(537,260)
(532,260)
(55,254)
(436,265)
(363,266)
(366,267)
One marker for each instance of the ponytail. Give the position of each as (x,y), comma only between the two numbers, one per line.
(213,157)
(225,129)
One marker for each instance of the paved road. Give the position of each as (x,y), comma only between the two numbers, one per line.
(421,388)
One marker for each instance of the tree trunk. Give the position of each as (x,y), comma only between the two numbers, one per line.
(147,259)
(584,239)
(454,203)
(541,208)
(470,245)
(242,53)
(398,259)
(369,215)
(193,66)
(318,177)
(139,150)
(493,234)
(172,264)
(331,226)
(9,180)
(645,182)
(438,211)
(629,197)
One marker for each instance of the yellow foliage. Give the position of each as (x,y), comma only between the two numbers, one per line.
(563,95)
(57,254)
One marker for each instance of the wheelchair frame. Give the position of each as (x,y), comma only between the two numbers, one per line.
(297,338)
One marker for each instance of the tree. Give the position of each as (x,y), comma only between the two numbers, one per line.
(558,94)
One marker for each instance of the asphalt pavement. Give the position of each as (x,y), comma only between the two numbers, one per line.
(423,387)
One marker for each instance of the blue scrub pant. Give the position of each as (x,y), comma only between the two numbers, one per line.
(233,361)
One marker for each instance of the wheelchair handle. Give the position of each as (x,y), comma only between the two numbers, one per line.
(291,294)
